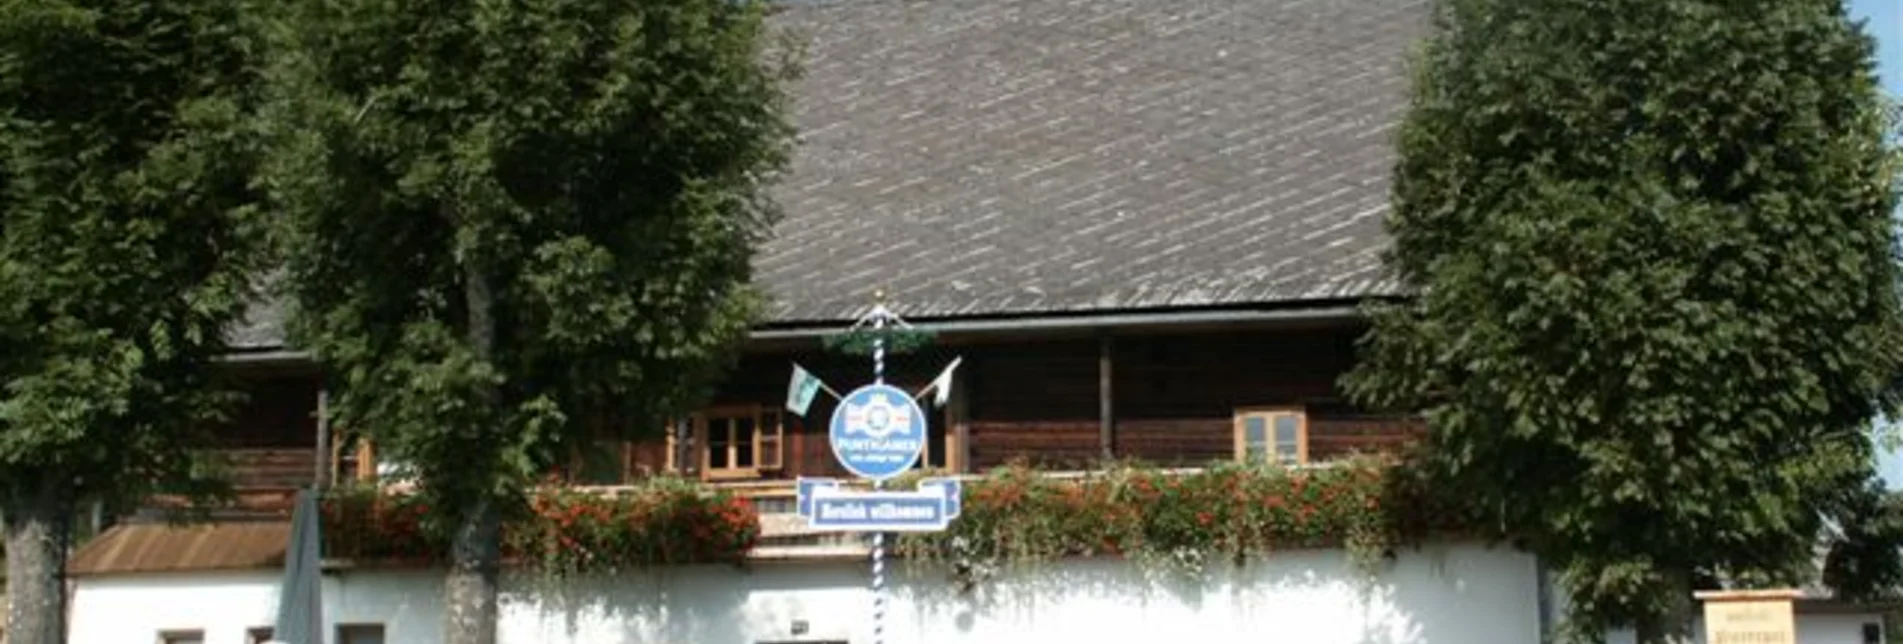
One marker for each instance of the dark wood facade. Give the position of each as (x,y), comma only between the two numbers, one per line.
(270,444)
(1173,400)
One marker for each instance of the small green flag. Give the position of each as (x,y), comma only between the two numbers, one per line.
(801,391)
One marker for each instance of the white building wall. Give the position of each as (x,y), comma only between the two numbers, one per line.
(1833,629)
(1455,595)
(135,608)
(1464,594)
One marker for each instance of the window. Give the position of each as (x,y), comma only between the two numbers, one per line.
(359,634)
(734,442)
(352,457)
(258,634)
(1278,435)
(182,637)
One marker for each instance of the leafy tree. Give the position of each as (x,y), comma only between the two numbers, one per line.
(1655,298)
(126,241)
(1865,561)
(506,218)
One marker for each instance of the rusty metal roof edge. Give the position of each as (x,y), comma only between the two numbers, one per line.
(98,574)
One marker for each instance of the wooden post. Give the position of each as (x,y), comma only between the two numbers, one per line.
(957,409)
(684,448)
(323,455)
(1106,419)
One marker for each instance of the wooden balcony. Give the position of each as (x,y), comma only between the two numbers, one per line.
(271,468)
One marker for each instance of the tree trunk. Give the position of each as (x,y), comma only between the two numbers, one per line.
(35,571)
(476,550)
(474,559)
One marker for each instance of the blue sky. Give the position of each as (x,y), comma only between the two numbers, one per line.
(1885,21)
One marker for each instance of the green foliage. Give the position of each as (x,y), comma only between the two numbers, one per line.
(365,524)
(589,174)
(127,238)
(1016,515)
(507,221)
(662,520)
(1865,562)
(1656,305)
(561,530)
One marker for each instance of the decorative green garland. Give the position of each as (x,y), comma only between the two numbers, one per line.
(859,342)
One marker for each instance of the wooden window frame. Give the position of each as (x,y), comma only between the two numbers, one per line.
(768,440)
(1268,416)
(342,631)
(364,452)
(172,635)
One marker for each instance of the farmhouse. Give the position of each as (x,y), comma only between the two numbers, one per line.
(1145,228)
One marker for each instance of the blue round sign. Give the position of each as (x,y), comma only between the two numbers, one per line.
(877,432)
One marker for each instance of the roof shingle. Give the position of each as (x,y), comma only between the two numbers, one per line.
(980,157)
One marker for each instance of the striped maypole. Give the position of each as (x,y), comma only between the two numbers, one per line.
(878,587)
(879,314)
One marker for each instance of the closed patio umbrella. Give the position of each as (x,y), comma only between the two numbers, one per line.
(300,601)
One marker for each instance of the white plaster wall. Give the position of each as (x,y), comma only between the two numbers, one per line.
(1453,595)
(134,608)
(1833,629)
(1462,594)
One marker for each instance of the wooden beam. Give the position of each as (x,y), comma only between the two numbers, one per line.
(366,459)
(323,460)
(957,409)
(1106,400)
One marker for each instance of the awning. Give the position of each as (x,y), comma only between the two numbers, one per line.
(161,547)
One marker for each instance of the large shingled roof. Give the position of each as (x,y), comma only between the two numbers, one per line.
(1039,157)
(987,157)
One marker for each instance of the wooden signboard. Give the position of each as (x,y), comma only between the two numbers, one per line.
(1749,616)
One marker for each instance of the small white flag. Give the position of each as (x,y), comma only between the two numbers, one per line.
(801,390)
(942,385)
